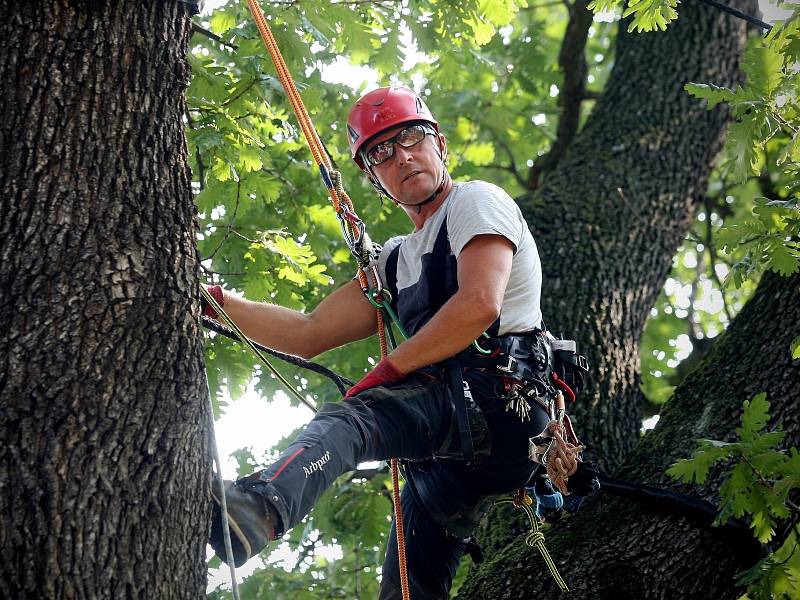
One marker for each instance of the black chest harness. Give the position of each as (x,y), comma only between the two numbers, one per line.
(531,359)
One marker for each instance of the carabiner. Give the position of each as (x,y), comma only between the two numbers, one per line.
(477,346)
(377,277)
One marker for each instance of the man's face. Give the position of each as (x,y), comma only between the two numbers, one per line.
(412,174)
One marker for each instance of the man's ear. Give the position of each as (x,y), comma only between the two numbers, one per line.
(442,146)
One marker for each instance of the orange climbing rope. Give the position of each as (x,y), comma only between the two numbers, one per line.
(352,228)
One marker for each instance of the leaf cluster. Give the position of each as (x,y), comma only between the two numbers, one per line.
(648,15)
(759,483)
(765,135)
(749,220)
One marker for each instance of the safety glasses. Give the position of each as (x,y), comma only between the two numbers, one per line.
(408,137)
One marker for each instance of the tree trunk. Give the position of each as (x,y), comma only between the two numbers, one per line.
(609,220)
(103,409)
(617,548)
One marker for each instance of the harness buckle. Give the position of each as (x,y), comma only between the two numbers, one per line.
(509,367)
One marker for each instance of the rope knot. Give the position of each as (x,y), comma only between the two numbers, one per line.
(336,179)
(534,538)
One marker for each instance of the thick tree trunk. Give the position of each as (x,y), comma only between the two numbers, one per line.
(103,407)
(619,548)
(609,220)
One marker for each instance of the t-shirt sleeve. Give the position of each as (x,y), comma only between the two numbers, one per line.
(483,208)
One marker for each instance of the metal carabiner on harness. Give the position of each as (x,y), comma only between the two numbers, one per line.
(372,293)
(477,346)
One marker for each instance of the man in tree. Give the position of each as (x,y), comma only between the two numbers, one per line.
(459,412)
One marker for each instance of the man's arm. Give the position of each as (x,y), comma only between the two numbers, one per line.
(343,316)
(484,267)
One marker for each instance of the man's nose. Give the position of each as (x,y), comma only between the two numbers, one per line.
(402,155)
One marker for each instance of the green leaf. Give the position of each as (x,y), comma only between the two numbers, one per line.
(732,236)
(479,153)
(222,20)
(697,467)
(603,6)
(737,492)
(649,15)
(215,194)
(265,187)
(710,92)
(782,260)
(762,66)
(741,149)
(249,159)
(763,445)
(754,416)
(795,348)
(291,274)
(245,461)
(483,32)
(221,170)
(763,526)
(498,12)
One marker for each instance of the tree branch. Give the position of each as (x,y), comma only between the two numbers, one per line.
(229,227)
(512,164)
(572,62)
(591,95)
(712,257)
(201,167)
(211,35)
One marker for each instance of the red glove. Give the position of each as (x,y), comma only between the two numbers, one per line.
(383,373)
(216,293)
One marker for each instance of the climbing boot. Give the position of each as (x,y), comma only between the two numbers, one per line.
(251,521)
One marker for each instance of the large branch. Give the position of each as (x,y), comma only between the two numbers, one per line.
(104,414)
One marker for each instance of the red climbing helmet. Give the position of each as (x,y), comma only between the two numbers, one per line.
(382,109)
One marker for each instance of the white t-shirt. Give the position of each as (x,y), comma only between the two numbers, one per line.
(426,274)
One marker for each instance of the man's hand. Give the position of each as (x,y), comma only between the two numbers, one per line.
(383,373)
(216,293)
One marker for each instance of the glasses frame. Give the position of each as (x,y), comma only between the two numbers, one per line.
(427,129)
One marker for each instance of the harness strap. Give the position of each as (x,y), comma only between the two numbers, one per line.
(456,390)
(391,274)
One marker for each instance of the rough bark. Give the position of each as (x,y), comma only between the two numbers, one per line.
(103,406)
(620,549)
(609,219)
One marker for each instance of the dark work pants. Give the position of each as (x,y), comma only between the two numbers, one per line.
(444,498)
